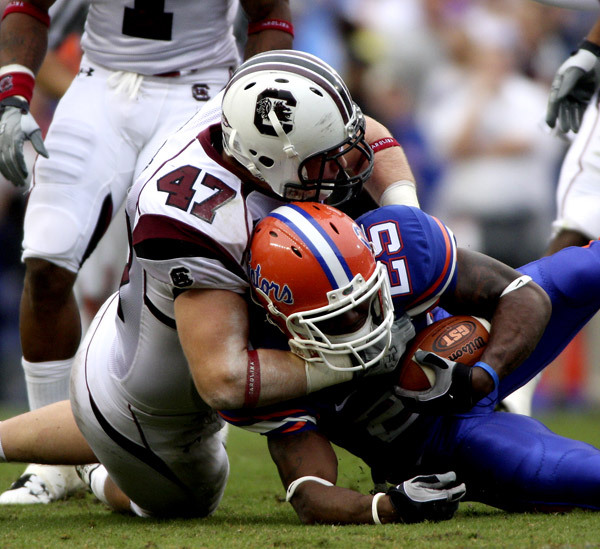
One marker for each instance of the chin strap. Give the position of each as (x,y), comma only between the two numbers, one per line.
(288,148)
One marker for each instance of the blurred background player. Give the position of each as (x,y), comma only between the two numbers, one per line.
(144,71)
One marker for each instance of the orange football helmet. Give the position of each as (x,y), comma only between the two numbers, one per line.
(312,268)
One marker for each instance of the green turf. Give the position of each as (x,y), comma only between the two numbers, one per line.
(253,514)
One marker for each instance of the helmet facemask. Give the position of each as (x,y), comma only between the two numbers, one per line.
(308,329)
(315,185)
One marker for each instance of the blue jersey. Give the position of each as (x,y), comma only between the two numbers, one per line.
(507,460)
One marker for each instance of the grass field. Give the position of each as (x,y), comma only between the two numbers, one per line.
(253,514)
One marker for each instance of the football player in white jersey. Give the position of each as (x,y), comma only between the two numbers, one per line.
(171,345)
(573,113)
(145,70)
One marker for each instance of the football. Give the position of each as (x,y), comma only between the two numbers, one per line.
(459,338)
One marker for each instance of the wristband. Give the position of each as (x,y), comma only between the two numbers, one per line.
(374,512)
(18,6)
(383,143)
(590,46)
(16,80)
(489,370)
(294,484)
(252,380)
(271,24)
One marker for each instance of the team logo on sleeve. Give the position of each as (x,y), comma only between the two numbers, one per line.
(181,277)
(282,103)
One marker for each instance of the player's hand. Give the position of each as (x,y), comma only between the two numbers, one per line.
(402,332)
(571,90)
(17,125)
(452,391)
(427,497)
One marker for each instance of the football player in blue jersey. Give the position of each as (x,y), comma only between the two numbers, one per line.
(325,282)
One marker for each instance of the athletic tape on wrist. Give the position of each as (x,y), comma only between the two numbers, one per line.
(252,380)
(485,366)
(516,284)
(271,24)
(319,376)
(374,512)
(294,484)
(383,143)
(401,193)
(17,6)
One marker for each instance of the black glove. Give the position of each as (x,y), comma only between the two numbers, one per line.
(452,391)
(572,88)
(17,125)
(428,497)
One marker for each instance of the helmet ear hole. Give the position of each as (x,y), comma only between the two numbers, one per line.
(266,161)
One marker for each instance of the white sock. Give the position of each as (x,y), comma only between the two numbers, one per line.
(2,455)
(97,480)
(47,382)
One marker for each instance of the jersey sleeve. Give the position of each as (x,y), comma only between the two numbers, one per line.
(419,252)
(273,420)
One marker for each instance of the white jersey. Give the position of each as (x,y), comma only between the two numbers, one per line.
(132,392)
(190,228)
(152,38)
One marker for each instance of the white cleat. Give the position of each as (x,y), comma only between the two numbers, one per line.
(42,484)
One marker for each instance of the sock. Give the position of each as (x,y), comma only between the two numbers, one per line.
(47,382)
(97,479)
(2,455)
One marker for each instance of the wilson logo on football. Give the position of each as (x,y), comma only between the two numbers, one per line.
(453,337)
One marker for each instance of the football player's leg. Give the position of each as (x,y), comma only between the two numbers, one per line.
(47,435)
(578,191)
(166,465)
(514,462)
(571,277)
(70,206)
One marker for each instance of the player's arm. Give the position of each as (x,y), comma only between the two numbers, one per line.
(23,44)
(392,180)
(518,317)
(269,26)
(318,500)
(213,331)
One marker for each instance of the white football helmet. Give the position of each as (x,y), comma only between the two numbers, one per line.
(312,268)
(288,118)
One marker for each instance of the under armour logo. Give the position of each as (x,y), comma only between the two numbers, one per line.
(86,72)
